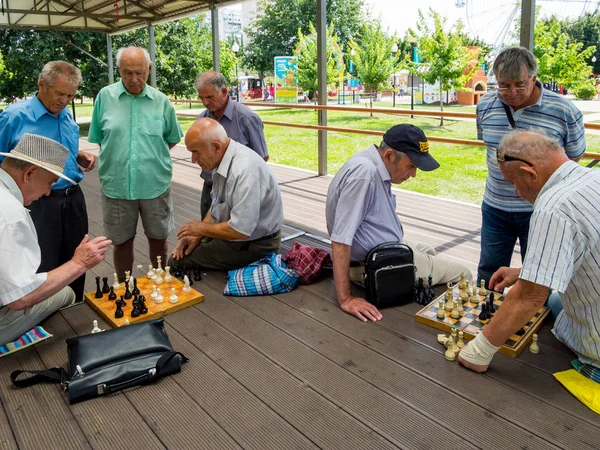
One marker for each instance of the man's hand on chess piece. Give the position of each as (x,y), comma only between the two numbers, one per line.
(504,277)
(361,308)
(91,252)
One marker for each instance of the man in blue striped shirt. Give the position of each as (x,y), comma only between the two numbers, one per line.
(520,102)
(563,253)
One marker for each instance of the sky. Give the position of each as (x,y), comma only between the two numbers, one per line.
(483,18)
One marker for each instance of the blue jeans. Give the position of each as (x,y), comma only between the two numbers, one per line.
(554,304)
(499,233)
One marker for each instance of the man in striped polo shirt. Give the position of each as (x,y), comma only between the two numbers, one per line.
(563,253)
(520,102)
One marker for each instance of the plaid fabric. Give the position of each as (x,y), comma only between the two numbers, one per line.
(269,275)
(307,261)
(593,373)
(33,336)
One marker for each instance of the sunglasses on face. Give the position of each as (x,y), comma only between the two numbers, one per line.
(502,157)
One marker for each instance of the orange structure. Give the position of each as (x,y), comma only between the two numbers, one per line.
(477,84)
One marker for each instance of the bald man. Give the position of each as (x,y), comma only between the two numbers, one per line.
(246,214)
(136,127)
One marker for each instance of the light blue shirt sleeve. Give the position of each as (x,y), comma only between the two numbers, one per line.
(354,201)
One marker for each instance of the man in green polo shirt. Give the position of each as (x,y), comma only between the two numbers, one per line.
(136,127)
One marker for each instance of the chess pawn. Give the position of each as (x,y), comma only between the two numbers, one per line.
(119,311)
(462,285)
(460,306)
(116,285)
(126,321)
(482,290)
(112,295)
(168,276)
(173,298)
(159,298)
(135,312)
(461,342)
(474,298)
(441,314)
(98,290)
(534,347)
(449,353)
(96,328)
(153,295)
(150,273)
(158,279)
(454,313)
(143,307)
(158,265)
(186,284)
(105,287)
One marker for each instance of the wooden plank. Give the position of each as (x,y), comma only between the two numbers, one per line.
(7,440)
(357,397)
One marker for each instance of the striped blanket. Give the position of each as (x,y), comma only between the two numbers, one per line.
(33,336)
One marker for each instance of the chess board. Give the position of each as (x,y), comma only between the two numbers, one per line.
(106,308)
(470,323)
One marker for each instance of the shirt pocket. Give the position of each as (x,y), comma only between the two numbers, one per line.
(153,126)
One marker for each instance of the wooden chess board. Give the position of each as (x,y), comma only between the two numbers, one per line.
(106,308)
(470,323)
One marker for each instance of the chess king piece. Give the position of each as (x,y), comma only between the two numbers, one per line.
(534,347)
(448,297)
(462,285)
(128,294)
(168,276)
(430,289)
(112,295)
(461,342)
(173,298)
(96,328)
(454,313)
(454,335)
(150,273)
(441,314)
(186,284)
(482,290)
(116,285)
(159,298)
(105,287)
(158,265)
(98,290)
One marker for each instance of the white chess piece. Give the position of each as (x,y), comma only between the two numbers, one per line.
(168,276)
(150,273)
(461,341)
(482,290)
(534,347)
(96,328)
(153,295)
(126,321)
(454,313)
(159,267)
(441,314)
(159,298)
(116,285)
(131,286)
(158,278)
(186,284)
(449,353)
(173,298)
(127,275)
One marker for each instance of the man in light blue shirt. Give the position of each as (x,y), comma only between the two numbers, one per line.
(61,217)
(136,126)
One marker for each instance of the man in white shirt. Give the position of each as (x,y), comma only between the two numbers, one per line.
(563,252)
(27,297)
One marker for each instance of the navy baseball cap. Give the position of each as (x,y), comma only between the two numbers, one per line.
(411,140)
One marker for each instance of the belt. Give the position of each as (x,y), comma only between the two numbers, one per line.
(64,192)
(355,263)
(271,236)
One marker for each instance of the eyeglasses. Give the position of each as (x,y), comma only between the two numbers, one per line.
(502,157)
(516,90)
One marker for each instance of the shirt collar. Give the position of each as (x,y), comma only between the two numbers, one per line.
(146,92)
(39,109)
(228,111)
(558,176)
(11,185)
(376,158)
(223,168)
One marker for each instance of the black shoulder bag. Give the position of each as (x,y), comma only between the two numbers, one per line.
(390,275)
(103,363)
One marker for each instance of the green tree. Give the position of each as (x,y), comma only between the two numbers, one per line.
(586,29)
(445,58)
(373,60)
(306,53)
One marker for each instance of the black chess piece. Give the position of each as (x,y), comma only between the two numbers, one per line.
(143,308)
(521,332)
(135,291)
(98,290)
(190,277)
(119,311)
(135,300)
(491,306)
(128,294)
(105,287)
(483,315)
(135,312)
(197,275)
(121,302)
(430,289)
(112,295)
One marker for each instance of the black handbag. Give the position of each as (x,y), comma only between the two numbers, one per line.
(106,362)
(390,275)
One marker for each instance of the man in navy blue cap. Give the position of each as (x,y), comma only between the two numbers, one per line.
(361,214)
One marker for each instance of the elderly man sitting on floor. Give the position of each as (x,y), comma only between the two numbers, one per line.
(246,213)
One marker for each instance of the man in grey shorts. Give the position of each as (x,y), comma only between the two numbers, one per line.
(246,214)
(136,127)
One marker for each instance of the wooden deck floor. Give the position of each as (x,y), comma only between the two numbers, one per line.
(293,371)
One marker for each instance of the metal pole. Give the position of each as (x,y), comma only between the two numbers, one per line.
(109,57)
(527,23)
(322,89)
(394,92)
(214,22)
(152,56)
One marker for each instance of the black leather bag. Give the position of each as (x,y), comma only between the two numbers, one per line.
(390,275)
(103,363)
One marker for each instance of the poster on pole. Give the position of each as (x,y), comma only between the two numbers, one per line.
(286,79)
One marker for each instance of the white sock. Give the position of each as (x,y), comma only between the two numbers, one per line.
(479,351)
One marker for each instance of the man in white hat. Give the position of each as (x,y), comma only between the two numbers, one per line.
(27,297)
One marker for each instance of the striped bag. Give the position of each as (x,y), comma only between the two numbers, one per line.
(269,275)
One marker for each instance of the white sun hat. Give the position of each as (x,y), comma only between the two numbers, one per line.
(43,152)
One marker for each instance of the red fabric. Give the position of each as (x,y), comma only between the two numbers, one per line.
(307,261)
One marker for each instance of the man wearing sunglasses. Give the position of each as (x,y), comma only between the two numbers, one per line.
(563,254)
(520,102)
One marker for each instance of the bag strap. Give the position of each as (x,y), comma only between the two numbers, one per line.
(509,115)
(166,357)
(54,375)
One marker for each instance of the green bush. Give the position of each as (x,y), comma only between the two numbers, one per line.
(585,91)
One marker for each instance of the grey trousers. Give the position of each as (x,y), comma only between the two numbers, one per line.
(13,324)
(228,255)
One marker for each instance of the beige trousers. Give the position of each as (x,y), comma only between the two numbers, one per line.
(13,323)
(442,268)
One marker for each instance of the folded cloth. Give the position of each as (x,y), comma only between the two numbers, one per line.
(307,261)
(33,336)
(583,388)
(585,369)
(269,275)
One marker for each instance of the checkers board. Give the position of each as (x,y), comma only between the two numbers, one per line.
(470,323)
(106,308)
